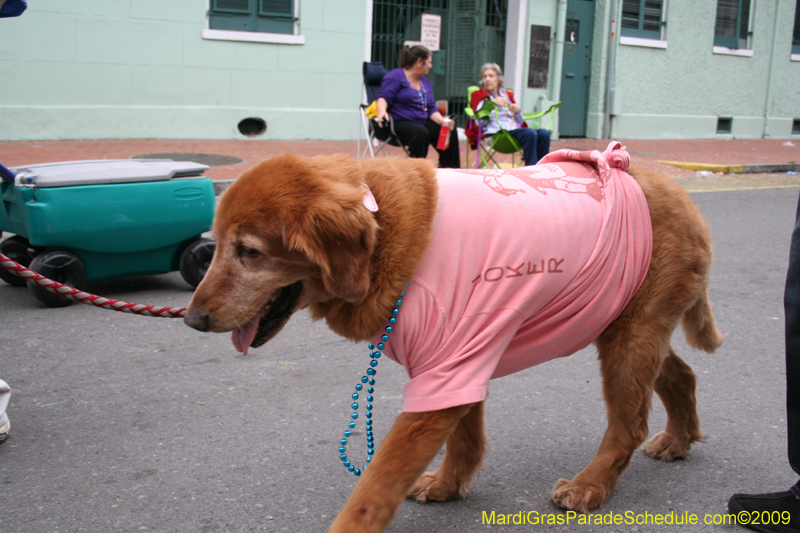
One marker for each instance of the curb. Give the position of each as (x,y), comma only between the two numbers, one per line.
(221,185)
(737,169)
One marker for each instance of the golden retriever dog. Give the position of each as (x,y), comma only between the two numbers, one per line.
(342,238)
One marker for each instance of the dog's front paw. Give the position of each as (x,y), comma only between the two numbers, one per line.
(430,487)
(667,447)
(579,497)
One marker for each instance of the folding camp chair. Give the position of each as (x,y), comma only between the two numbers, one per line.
(501,142)
(378,138)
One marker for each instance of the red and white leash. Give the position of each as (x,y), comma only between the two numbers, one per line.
(87,298)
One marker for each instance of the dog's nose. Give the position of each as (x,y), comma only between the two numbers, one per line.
(196,320)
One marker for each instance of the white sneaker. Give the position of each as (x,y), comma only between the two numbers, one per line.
(4,430)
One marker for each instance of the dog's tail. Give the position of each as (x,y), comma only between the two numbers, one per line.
(700,326)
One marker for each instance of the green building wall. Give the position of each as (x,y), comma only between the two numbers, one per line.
(142,69)
(680,92)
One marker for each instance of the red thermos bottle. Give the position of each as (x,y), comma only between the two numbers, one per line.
(444,134)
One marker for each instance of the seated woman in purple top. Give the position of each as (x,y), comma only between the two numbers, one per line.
(407,95)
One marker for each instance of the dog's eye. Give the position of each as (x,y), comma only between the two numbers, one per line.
(248,252)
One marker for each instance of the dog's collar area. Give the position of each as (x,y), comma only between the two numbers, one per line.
(368,199)
(368,379)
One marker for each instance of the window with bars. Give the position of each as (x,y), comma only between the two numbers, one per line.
(642,18)
(263,16)
(732,28)
(496,13)
(796,32)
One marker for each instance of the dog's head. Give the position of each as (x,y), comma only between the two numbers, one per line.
(290,232)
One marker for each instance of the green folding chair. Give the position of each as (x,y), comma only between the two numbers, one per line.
(501,142)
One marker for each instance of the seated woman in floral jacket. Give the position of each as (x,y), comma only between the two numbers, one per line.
(508,115)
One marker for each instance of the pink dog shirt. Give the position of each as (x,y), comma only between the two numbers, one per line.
(523,266)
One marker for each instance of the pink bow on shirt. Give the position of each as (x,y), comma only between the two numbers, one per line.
(615,156)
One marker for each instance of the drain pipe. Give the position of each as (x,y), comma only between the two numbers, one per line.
(765,134)
(558,50)
(612,53)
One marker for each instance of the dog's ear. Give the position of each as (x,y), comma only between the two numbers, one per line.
(338,234)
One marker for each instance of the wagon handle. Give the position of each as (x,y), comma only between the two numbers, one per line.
(6,175)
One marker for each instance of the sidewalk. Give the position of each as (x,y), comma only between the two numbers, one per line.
(645,153)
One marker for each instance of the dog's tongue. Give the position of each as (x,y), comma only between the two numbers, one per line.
(243,337)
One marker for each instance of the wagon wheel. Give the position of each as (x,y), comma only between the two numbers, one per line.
(16,249)
(61,266)
(195,260)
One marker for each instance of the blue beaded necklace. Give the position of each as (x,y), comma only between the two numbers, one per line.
(368,379)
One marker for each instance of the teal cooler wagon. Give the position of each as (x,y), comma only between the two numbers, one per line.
(81,221)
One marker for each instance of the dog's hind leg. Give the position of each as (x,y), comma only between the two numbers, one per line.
(411,444)
(635,356)
(675,386)
(462,460)
(630,356)
(676,383)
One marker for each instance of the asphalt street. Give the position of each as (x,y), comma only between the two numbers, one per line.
(128,423)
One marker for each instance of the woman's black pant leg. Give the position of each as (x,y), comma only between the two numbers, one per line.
(414,136)
(451,157)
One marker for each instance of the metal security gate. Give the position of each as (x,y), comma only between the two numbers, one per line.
(473,32)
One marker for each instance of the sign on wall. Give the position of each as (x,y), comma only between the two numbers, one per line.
(431,31)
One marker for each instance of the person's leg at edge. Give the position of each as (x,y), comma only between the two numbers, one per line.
(415,136)
(451,157)
(5,425)
(787,503)
(791,306)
